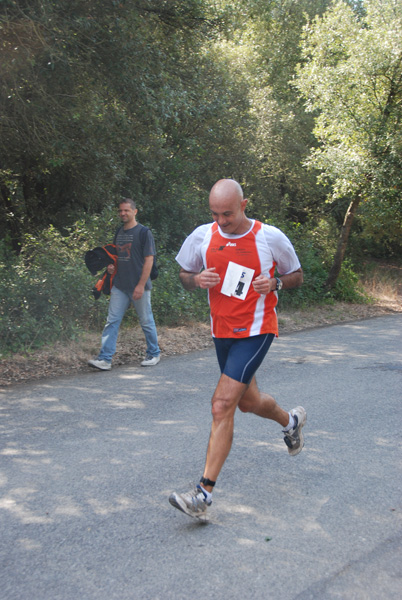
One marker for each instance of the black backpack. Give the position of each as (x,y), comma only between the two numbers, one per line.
(143,237)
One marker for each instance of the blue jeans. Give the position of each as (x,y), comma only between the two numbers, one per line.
(119,303)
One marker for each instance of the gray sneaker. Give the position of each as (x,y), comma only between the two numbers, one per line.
(192,503)
(102,365)
(150,361)
(294,437)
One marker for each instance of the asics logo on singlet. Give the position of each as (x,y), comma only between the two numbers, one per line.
(223,247)
(228,244)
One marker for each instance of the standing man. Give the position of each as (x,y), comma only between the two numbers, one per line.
(131,285)
(238,256)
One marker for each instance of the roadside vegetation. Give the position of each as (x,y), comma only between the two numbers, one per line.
(46,291)
(382,290)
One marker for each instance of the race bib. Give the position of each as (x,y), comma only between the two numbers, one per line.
(237,281)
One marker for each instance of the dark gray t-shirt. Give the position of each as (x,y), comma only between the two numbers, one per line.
(130,259)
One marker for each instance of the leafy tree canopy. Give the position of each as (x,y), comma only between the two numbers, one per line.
(352,79)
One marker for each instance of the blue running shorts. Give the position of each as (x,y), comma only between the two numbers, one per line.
(239,358)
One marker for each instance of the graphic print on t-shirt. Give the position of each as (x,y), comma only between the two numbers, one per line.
(123,246)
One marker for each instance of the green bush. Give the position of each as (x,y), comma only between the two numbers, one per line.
(347,287)
(44,293)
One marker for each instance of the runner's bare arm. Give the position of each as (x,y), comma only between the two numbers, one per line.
(264,285)
(206,279)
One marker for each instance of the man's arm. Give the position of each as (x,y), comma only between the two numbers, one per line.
(205,279)
(264,285)
(291,280)
(146,271)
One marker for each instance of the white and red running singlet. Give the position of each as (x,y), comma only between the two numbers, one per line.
(262,249)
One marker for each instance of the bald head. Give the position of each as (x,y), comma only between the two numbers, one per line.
(227,189)
(228,205)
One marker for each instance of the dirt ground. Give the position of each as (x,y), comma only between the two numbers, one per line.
(62,359)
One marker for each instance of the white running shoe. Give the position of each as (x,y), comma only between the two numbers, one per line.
(192,503)
(103,365)
(294,437)
(150,361)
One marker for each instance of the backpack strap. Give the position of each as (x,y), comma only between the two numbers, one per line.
(116,233)
(143,235)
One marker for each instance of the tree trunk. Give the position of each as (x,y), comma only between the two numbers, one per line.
(342,243)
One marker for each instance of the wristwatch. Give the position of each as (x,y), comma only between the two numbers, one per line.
(279,284)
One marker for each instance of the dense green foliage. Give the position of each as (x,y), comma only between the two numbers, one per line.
(352,78)
(157,99)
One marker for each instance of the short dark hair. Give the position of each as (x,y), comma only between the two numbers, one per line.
(128,201)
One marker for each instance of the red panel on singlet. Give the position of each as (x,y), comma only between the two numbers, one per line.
(231,316)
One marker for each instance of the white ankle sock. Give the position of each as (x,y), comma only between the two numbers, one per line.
(208,495)
(291,423)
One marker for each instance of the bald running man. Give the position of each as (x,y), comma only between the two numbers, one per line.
(234,259)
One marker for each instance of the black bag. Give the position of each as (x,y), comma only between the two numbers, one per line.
(143,236)
(98,259)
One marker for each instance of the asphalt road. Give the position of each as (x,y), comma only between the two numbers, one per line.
(87,464)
